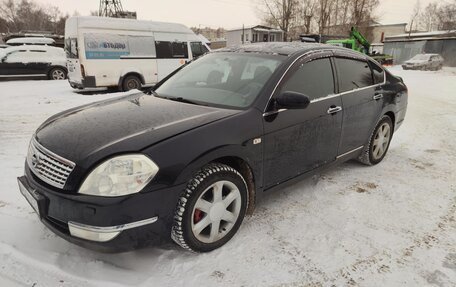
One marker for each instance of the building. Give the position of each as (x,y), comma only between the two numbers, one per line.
(380,31)
(405,46)
(253,34)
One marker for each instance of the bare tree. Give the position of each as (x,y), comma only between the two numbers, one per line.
(414,18)
(19,15)
(280,13)
(438,16)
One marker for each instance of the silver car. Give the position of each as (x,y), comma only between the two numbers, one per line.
(431,62)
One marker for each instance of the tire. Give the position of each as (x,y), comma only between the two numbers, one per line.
(130,83)
(379,142)
(202,222)
(57,74)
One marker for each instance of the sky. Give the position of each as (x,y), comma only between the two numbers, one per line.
(218,13)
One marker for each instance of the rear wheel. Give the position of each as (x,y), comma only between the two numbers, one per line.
(57,74)
(130,83)
(379,142)
(211,209)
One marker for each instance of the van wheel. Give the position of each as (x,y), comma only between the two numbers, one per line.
(57,74)
(379,142)
(211,209)
(131,83)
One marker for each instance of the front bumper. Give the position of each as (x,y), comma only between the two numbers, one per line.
(111,224)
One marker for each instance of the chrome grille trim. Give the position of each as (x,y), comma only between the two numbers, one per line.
(48,166)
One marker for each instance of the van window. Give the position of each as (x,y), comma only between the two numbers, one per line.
(314,79)
(197,49)
(378,73)
(353,74)
(71,48)
(171,50)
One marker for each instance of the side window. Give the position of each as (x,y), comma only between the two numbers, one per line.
(180,50)
(170,50)
(163,49)
(314,79)
(353,74)
(378,73)
(16,56)
(197,49)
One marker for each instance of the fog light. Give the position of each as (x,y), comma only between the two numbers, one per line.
(80,231)
(104,234)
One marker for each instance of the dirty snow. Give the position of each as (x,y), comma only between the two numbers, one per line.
(389,225)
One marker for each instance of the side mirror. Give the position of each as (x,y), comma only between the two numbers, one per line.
(292,101)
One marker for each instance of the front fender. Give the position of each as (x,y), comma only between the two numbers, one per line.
(180,156)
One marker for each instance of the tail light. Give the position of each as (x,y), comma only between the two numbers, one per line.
(83,73)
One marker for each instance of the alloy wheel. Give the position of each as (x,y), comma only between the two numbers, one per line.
(381,141)
(216,211)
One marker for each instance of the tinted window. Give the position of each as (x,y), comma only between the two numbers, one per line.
(353,74)
(197,49)
(169,50)
(378,73)
(314,79)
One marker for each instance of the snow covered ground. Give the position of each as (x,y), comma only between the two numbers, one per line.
(389,225)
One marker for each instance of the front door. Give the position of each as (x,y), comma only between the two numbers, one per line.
(297,141)
(13,64)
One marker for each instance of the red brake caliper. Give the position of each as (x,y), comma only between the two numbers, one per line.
(198,215)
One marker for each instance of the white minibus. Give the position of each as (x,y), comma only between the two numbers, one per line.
(126,54)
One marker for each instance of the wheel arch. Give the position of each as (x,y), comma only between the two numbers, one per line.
(246,171)
(131,73)
(233,156)
(55,67)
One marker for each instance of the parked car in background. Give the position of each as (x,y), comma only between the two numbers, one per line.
(188,159)
(33,61)
(31,41)
(126,54)
(432,62)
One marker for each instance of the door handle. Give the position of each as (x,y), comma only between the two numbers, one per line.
(378,97)
(334,110)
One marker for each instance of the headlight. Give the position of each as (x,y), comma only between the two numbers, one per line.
(119,176)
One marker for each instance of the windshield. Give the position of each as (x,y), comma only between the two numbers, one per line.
(421,57)
(222,79)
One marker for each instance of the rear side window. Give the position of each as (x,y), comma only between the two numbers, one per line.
(378,73)
(353,74)
(170,50)
(314,79)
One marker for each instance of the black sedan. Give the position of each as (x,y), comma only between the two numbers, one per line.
(189,159)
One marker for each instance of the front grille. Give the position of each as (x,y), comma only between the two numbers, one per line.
(48,166)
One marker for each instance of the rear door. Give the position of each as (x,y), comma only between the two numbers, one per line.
(297,141)
(38,61)
(362,101)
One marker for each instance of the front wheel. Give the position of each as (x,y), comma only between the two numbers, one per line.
(379,142)
(57,74)
(211,209)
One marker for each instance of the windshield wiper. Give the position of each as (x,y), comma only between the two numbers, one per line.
(179,99)
(187,101)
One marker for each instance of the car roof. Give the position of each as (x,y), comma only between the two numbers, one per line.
(283,48)
(32,47)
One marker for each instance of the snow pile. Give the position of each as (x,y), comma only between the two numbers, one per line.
(389,225)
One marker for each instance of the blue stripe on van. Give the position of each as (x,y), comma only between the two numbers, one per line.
(105,55)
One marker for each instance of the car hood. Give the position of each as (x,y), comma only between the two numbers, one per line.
(127,124)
